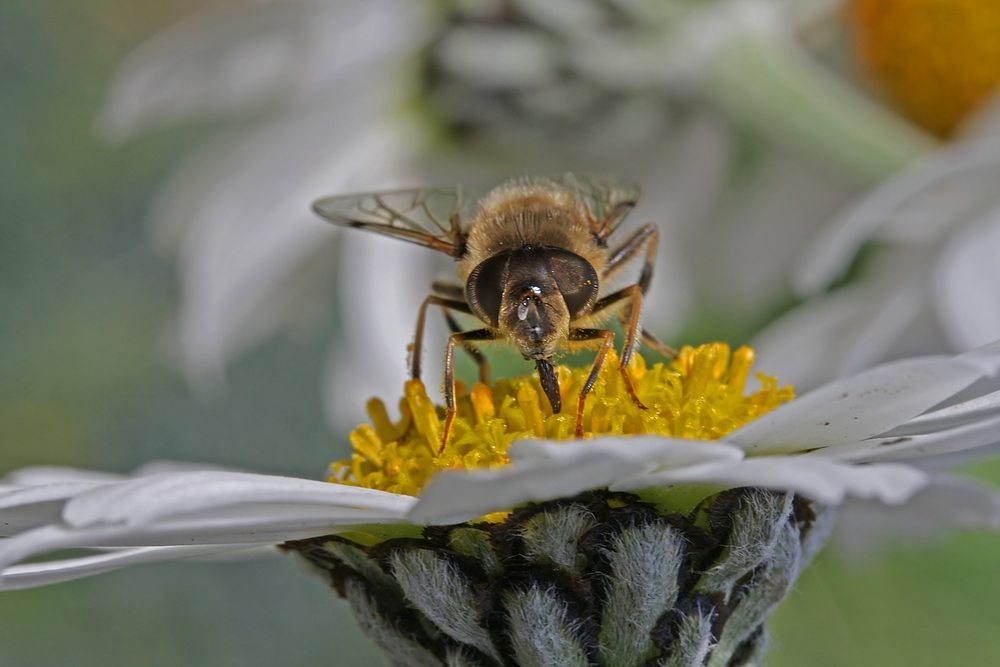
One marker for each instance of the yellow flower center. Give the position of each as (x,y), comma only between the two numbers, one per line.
(937,59)
(699,395)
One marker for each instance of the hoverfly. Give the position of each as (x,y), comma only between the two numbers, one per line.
(531,262)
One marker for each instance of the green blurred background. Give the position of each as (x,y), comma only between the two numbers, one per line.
(84,381)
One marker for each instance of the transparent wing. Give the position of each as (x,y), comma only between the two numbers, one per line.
(430,217)
(607,199)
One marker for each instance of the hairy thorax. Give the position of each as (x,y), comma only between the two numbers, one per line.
(519,215)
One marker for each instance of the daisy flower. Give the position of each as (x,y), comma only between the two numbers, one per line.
(667,534)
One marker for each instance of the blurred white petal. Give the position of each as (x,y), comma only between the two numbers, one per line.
(569,17)
(918,205)
(542,470)
(868,404)
(499,57)
(232,61)
(252,240)
(742,257)
(824,481)
(382,283)
(965,286)
(837,334)
(58,571)
(947,502)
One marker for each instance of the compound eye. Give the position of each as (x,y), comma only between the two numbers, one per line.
(485,288)
(577,281)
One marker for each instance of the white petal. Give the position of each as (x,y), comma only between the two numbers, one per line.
(22,508)
(838,334)
(947,502)
(53,572)
(167,466)
(230,62)
(901,448)
(666,452)
(146,500)
(868,404)
(973,410)
(834,249)
(543,470)
(819,479)
(250,524)
(966,282)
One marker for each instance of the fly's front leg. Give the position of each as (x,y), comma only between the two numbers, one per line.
(607,336)
(633,293)
(477,356)
(418,338)
(449,374)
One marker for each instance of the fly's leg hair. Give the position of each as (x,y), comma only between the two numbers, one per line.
(418,338)
(477,356)
(648,237)
(462,338)
(633,293)
(607,336)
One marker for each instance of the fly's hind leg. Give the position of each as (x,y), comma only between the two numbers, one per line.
(648,237)
(476,335)
(649,339)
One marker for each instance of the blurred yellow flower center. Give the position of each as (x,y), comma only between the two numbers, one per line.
(938,59)
(698,395)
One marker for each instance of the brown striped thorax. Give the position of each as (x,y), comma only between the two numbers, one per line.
(531,265)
